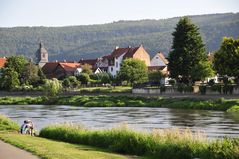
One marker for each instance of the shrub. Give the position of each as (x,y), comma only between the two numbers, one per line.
(7,124)
(203,89)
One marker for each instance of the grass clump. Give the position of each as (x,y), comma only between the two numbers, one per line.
(7,124)
(167,144)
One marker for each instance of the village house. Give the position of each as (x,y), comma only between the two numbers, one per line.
(159,63)
(116,58)
(61,70)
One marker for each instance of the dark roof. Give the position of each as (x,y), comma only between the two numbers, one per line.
(129,52)
(91,62)
(49,67)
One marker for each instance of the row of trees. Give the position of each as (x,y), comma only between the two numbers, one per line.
(18,72)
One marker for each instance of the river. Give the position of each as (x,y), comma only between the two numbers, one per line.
(213,123)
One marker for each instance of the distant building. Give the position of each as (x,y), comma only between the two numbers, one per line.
(41,56)
(116,58)
(61,70)
(159,63)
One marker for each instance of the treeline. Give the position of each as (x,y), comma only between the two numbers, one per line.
(74,42)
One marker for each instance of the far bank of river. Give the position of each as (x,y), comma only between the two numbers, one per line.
(220,104)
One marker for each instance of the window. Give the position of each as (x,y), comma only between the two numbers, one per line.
(157,57)
(116,64)
(111,69)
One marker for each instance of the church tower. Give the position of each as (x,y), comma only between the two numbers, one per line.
(41,56)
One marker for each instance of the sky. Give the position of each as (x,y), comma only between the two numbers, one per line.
(84,12)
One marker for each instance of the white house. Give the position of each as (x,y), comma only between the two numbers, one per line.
(159,60)
(116,58)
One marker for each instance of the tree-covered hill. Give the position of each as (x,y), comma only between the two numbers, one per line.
(91,41)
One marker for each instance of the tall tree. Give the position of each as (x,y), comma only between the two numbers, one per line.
(187,50)
(9,79)
(226,59)
(16,63)
(133,71)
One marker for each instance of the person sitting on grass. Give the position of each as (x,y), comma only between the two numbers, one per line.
(27,127)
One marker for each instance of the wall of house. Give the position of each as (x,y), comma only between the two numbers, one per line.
(157,61)
(141,54)
(113,70)
(102,63)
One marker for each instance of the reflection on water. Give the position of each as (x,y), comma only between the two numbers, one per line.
(214,123)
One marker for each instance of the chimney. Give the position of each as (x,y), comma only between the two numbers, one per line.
(116,47)
(64,60)
(129,46)
(56,61)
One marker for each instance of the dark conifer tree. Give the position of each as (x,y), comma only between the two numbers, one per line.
(187,50)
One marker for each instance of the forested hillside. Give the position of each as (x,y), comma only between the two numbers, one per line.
(75,42)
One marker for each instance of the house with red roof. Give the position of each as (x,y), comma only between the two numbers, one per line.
(116,58)
(61,70)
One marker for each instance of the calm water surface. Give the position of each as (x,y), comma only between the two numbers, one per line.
(213,123)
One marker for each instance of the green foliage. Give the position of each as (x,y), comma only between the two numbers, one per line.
(32,74)
(234,108)
(70,82)
(9,79)
(187,50)
(7,124)
(16,63)
(202,71)
(86,68)
(84,78)
(203,89)
(224,149)
(133,71)
(52,87)
(155,77)
(168,144)
(226,59)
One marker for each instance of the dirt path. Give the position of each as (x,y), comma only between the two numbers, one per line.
(8,151)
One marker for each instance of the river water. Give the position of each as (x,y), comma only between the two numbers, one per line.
(213,123)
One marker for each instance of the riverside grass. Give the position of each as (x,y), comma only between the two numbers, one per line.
(166,144)
(49,149)
(126,101)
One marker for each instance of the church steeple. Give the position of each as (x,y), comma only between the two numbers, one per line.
(41,55)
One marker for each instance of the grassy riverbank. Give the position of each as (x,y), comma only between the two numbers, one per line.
(127,101)
(50,149)
(166,144)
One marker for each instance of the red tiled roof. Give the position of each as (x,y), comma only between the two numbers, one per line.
(2,62)
(69,67)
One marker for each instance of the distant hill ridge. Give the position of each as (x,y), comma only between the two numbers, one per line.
(91,41)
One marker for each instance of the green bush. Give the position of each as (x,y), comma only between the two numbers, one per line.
(7,124)
(203,89)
